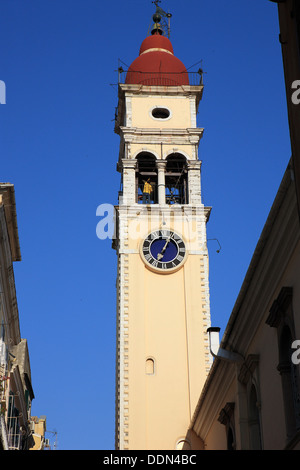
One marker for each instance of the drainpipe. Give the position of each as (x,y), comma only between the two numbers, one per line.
(220,353)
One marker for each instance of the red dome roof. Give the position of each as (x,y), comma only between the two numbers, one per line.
(157,65)
(156,41)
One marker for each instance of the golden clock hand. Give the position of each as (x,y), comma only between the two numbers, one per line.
(160,255)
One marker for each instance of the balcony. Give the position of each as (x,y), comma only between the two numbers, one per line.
(14,433)
(160,78)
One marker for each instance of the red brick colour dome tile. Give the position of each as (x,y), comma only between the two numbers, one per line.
(157,65)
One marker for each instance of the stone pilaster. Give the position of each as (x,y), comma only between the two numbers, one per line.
(161,167)
(194,182)
(129,189)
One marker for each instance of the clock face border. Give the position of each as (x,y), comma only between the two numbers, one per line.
(161,266)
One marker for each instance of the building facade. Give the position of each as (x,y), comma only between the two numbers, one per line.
(39,433)
(289,38)
(163,307)
(178,386)
(251,399)
(16,393)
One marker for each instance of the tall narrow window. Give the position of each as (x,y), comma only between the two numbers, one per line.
(226,417)
(230,439)
(254,420)
(150,366)
(249,403)
(282,317)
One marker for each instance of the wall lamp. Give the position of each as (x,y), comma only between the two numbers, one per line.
(216,351)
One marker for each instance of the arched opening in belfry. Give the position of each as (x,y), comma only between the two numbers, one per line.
(146,178)
(176,179)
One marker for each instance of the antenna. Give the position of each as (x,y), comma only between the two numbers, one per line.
(55,436)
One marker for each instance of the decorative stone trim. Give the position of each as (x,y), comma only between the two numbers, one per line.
(248,368)
(226,413)
(280,307)
(122,431)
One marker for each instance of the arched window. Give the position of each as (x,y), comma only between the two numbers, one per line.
(230,439)
(226,417)
(146,172)
(176,179)
(290,382)
(254,420)
(281,317)
(249,403)
(150,366)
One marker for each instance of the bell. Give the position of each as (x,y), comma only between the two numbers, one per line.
(156,29)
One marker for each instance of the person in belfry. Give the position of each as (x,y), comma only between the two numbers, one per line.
(147,191)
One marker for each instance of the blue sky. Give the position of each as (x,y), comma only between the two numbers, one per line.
(58,147)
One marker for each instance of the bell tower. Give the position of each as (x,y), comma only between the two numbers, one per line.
(163,308)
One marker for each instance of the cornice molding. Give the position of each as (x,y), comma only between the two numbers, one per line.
(151,135)
(160,90)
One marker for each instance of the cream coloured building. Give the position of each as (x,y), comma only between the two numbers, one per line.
(178,385)
(39,433)
(162,347)
(251,399)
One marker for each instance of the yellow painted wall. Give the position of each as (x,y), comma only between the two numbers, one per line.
(141,107)
(166,323)
(166,314)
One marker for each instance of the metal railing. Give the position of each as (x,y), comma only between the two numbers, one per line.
(14,433)
(176,194)
(173,195)
(160,78)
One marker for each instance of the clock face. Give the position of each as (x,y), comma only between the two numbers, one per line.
(164,250)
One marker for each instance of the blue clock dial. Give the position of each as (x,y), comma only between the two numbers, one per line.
(164,250)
